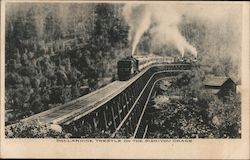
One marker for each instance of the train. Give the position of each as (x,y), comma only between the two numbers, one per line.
(128,67)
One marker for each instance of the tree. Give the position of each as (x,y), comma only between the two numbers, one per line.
(52,26)
(30,25)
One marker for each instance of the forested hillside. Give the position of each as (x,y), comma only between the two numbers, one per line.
(218,43)
(187,110)
(54,49)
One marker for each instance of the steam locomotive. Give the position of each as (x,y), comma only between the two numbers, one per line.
(129,66)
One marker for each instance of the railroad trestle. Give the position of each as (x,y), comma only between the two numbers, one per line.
(121,116)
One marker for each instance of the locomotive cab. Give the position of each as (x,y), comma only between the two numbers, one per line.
(127,67)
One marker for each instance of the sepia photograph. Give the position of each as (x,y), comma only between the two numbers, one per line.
(123,70)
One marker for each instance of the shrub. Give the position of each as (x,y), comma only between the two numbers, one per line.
(32,129)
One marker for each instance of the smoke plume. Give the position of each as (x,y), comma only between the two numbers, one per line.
(160,21)
(139,19)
